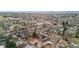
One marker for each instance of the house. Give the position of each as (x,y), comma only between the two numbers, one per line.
(33,40)
(62,43)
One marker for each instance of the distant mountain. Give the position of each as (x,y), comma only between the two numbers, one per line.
(41,12)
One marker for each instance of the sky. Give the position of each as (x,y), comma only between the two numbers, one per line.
(39,5)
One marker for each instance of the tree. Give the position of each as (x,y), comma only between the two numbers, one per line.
(35,34)
(77,33)
(65,35)
(10,44)
(65,25)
